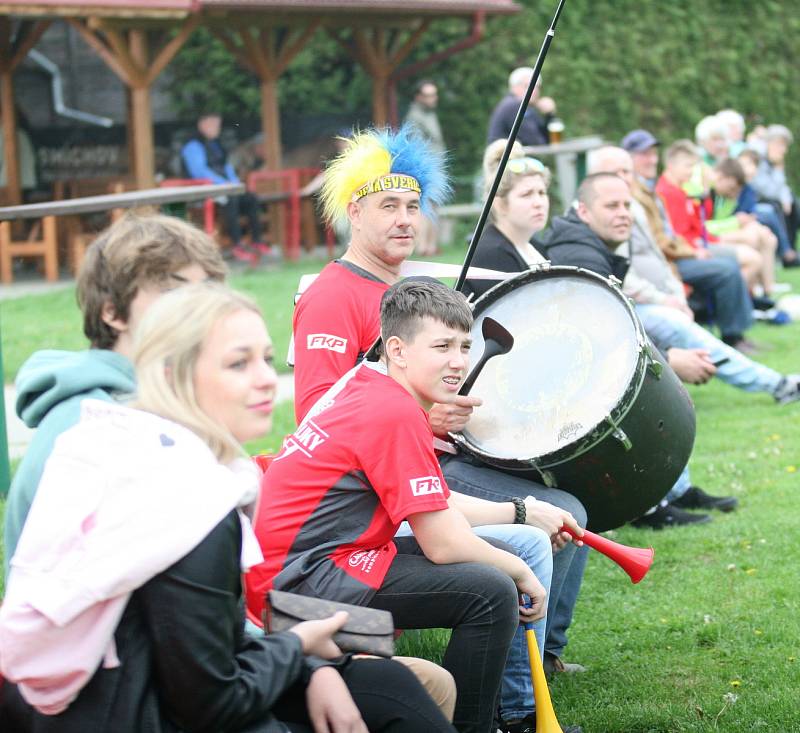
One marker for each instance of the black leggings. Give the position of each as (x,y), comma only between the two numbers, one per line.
(388,695)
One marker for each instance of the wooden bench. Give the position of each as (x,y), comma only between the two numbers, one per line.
(40,242)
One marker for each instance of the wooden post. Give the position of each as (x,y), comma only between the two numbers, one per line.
(271,123)
(380,100)
(267,52)
(130,61)
(9,116)
(141,115)
(380,53)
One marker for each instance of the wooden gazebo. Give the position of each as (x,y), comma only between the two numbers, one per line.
(137,39)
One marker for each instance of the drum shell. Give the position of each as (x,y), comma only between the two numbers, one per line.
(617,484)
(630,460)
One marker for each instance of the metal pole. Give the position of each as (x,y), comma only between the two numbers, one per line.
(523,107)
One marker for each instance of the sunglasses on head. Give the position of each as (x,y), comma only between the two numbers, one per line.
(525,165)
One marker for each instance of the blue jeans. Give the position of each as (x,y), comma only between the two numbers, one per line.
(468,475)
(533,546)
(719,278)
(669,328)
(680,488)
(768,216)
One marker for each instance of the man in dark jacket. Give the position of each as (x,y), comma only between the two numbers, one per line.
(589,235)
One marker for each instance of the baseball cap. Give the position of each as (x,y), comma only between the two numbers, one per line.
(638,141)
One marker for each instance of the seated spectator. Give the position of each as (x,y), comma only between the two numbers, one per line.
(688,214)
(735,225)
(125,270)
(711,135)
(204,157)
(519,210)
(334,497)
(735,126)
(96,637)
(533,130)
(345,301)
(765,212)
(713,275)
(770,181)
(592,235)
(650,281)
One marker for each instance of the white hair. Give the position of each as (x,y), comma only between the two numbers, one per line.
(597,158)
(521,75)
(780,131)
(730,117)
(708,127)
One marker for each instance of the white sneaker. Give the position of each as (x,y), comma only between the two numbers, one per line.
(788,390)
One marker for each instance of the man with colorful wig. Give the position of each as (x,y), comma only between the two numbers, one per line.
(381,184)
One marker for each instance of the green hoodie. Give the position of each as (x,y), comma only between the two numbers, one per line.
(50,388)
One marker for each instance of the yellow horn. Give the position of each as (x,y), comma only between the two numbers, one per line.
(546,721)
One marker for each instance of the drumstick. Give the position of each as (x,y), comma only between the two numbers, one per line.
(497,340)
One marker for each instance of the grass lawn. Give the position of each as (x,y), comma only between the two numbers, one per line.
(710,639)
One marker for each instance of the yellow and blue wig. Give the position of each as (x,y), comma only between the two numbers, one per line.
(372,154)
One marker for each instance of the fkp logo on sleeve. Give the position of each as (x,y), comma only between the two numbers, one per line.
(326,341)
(426,485)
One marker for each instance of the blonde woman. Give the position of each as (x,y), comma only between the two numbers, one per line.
(122,609)
(519,210)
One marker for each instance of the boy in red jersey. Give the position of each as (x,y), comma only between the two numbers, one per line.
(360,463)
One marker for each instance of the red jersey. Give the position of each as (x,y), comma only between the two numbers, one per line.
(331,501)
(336,321)
(685,213)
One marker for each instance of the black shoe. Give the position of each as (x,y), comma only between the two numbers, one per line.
(669,516)
(696,498)
(528,725)
(763,303)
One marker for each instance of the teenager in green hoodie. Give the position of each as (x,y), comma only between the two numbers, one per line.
(126,269)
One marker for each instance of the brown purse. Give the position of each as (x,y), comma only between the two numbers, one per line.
(367,631)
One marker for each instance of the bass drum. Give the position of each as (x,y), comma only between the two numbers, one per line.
(583,399)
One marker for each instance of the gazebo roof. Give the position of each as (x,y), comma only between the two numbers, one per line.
(173,8)
(108,8)
(383,7)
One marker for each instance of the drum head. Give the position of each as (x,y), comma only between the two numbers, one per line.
(576,348)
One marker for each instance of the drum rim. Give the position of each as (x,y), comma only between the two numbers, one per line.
(601,430)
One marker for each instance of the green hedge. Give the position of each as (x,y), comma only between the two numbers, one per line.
(614,65)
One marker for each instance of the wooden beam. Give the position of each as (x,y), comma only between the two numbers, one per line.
(236,51)
(168,52)
(101,49)
(256,55)
(291,49)
(367,55)
(119,45)
(27,37)
(397,57)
